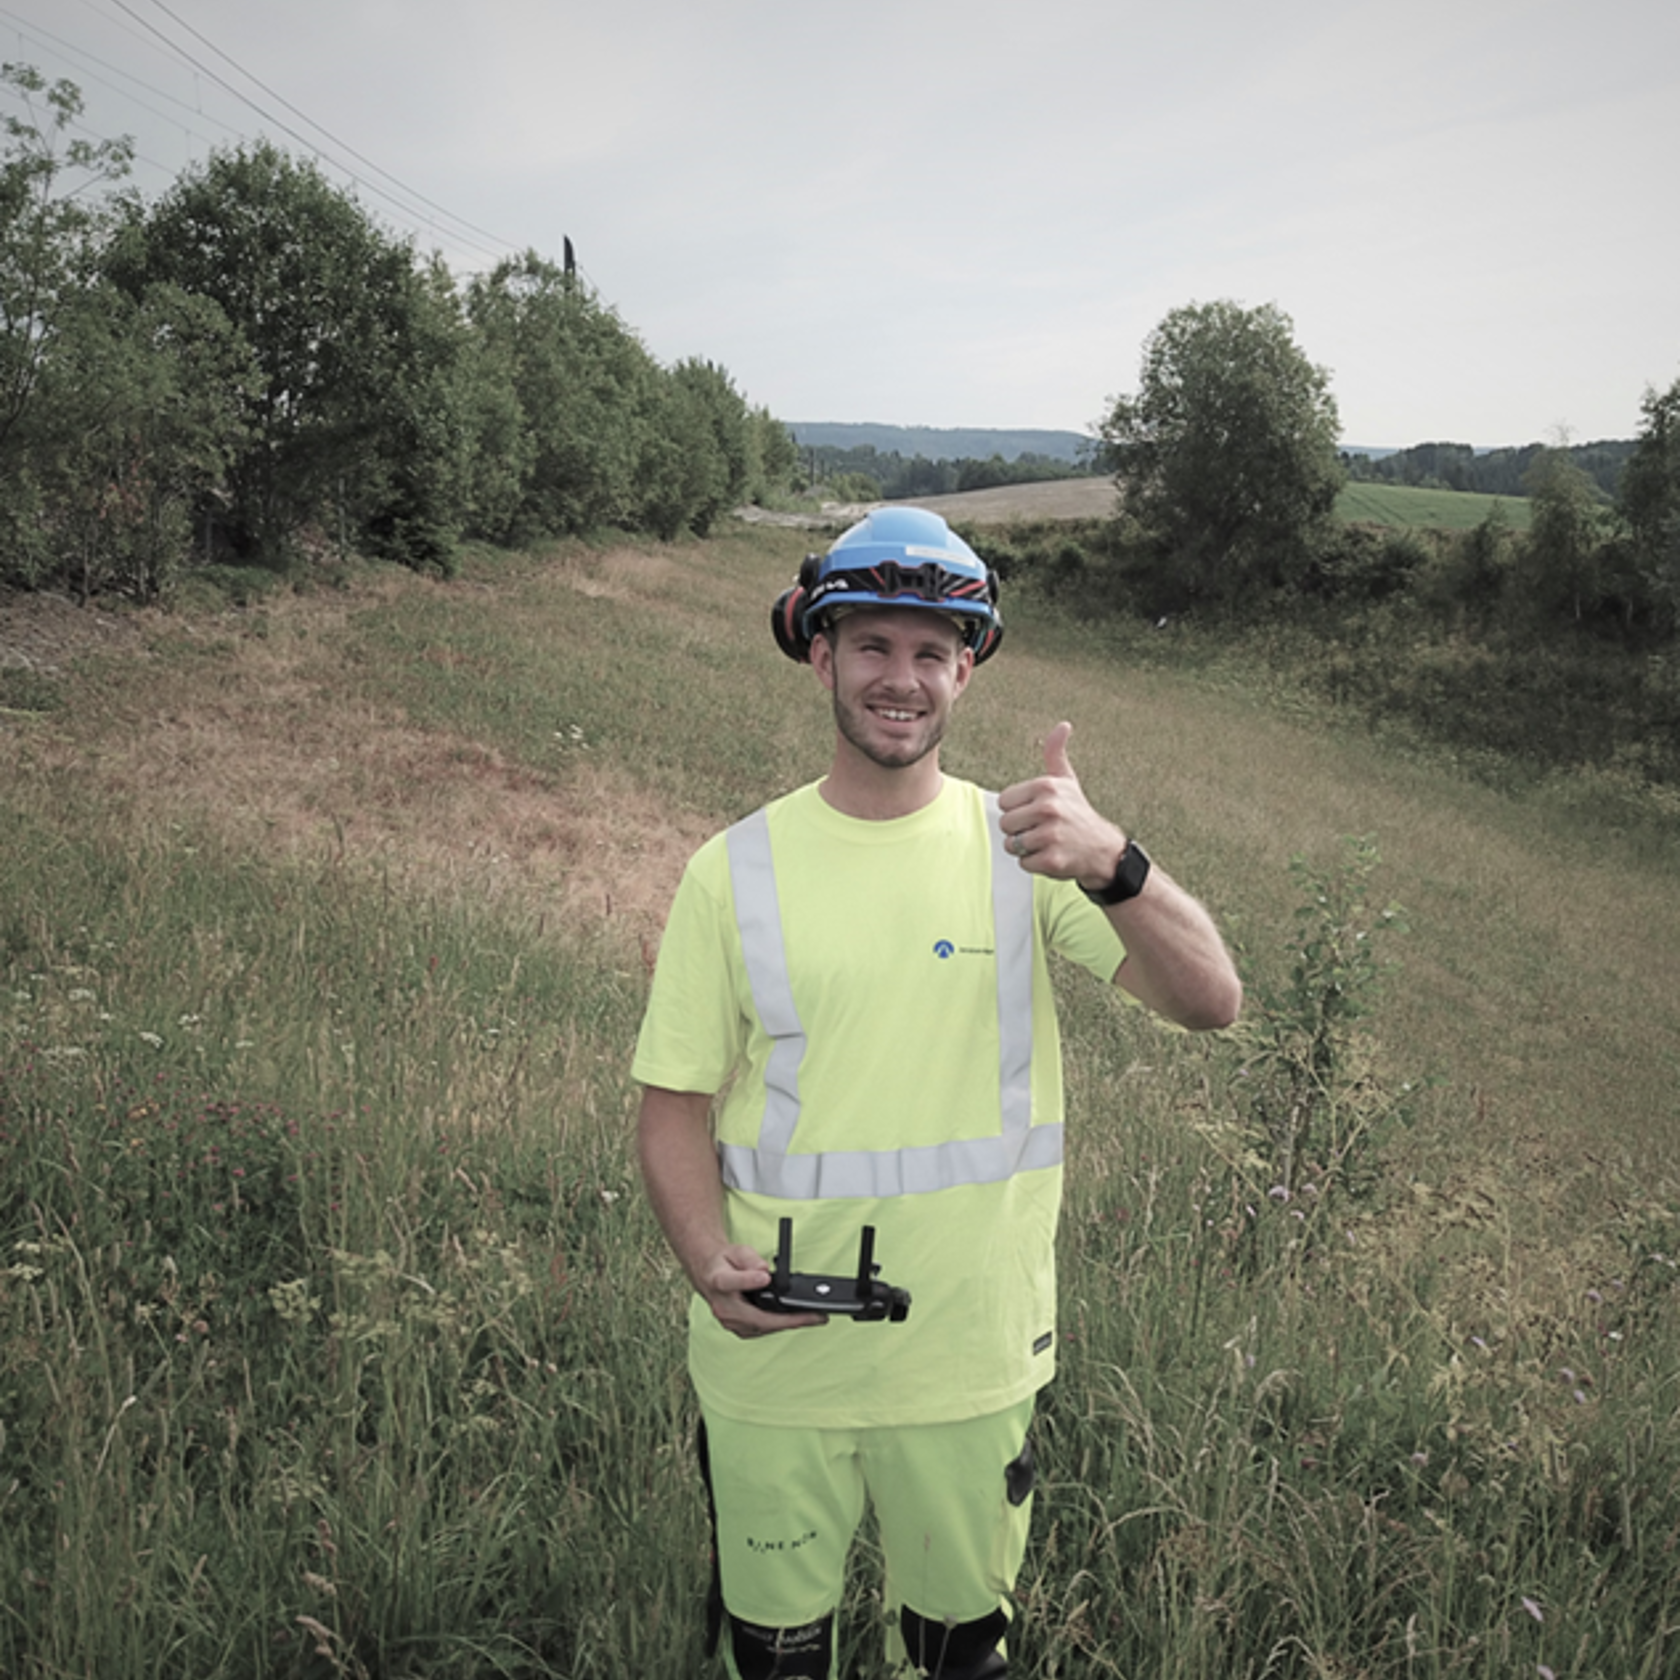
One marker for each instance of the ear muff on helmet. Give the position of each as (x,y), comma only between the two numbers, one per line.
(787,616)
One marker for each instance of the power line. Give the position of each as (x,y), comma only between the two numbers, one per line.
(321,129)
(442,222)
(448,228)
(28,31)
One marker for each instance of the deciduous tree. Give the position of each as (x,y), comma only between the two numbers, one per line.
(348,420)
(1227,453)
(1650,498)
(1559,562)
(580,377)
(140,410)
(44,221)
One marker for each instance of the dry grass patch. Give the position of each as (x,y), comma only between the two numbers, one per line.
(253,741)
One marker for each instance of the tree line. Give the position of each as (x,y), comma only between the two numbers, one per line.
(251,364)
(1492,472)
(864,473)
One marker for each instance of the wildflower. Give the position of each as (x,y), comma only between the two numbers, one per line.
(1279,1192)
(1544,1672)
(1533,1609)
(80,994)
(152,1039)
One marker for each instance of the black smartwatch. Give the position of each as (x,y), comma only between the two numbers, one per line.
(1129,876)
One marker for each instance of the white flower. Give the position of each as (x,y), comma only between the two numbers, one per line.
(152,1039)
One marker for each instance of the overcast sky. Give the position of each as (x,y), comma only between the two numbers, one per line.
(972,212)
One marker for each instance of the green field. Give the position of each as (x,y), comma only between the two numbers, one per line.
(336,1336)
(1402,505)
(1394,505)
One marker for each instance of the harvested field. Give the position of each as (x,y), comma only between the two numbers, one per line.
(1061,498)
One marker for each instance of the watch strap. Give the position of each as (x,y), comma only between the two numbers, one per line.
(1129,875)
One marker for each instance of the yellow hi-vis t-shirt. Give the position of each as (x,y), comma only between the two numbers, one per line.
(891,956)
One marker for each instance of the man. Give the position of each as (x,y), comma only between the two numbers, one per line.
(859,968)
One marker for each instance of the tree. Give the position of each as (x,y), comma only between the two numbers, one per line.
(680,473)
(43,227)
(581,379)
(1650,498)
(775,452)
(346,425)
(46,232)
(139,413)
(1559,565)
(725,439)
(1227,454)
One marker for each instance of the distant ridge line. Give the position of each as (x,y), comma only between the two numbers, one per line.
(940,443)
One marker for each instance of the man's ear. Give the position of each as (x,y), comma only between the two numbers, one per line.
(822,658)
(965,666)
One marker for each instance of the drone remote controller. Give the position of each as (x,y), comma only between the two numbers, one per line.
(865,1298)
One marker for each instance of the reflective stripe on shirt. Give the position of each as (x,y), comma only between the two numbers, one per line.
(768,1168)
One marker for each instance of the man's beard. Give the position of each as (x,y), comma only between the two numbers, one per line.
(852,722)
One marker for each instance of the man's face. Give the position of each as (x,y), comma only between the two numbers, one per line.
(894,673)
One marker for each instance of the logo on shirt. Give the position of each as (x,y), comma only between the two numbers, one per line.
(945,949)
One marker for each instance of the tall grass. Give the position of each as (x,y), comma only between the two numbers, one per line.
(336,1337)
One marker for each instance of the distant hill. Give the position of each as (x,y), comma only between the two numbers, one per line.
(939,443)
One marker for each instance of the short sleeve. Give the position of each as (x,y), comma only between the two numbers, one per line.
(694,1031)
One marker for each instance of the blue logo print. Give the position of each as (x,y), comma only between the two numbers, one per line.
(943,948)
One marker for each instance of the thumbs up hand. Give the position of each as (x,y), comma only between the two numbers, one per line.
(1050,826)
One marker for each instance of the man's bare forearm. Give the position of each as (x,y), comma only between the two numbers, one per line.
(680,1168)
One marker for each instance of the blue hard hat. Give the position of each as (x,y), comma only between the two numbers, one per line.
(893,557)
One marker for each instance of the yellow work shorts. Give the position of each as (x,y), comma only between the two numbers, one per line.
(952,1503)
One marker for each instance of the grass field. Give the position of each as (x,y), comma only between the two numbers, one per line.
(336,1338)
(1403,506)
(1394,505)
